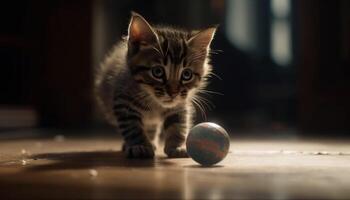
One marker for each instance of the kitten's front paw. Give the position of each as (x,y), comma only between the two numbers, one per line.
(138,151)
(176,153)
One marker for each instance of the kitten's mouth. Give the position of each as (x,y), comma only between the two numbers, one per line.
(168,101)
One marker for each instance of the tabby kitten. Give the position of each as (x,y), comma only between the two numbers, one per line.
(147,83)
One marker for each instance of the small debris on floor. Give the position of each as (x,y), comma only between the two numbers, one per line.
(321,153)
(93,173)
(24,162)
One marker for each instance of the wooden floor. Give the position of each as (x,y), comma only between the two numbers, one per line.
(93,168)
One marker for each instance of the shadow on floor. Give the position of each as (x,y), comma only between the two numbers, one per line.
(88,160)
(203,166)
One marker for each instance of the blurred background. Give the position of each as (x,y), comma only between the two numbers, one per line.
(282,66)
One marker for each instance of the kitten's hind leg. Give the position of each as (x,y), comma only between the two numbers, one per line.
(175,135)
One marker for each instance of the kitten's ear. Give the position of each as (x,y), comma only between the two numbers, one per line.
(140,31)
(202,39)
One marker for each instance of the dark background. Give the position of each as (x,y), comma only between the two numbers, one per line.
(282,71)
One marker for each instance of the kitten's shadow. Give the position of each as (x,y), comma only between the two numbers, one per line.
(88,160)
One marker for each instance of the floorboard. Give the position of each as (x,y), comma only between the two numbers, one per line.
(94,168)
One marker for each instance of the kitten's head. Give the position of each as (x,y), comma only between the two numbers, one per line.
(169,64)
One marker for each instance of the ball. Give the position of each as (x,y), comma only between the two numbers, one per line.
(207,143)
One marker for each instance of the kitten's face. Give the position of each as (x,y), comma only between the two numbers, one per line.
(168,64)
(169,82)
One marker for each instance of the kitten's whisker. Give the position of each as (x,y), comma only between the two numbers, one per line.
(215,51)
(202,106)
(217,76)
(204,91)
(204,117)
(206,102)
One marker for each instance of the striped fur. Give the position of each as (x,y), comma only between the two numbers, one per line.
(146,85)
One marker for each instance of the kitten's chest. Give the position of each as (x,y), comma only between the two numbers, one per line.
(152,124)
(152,118)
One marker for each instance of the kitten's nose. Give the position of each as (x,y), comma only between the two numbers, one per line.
(172,92)
(173,95)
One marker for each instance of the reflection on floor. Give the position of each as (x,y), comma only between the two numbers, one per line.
(94,168)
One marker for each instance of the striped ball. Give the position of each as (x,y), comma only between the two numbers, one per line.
(207,143)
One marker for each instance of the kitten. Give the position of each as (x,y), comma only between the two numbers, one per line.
(147,83)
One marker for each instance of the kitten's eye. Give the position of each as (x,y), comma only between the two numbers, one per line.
(186,75)
(158,71)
